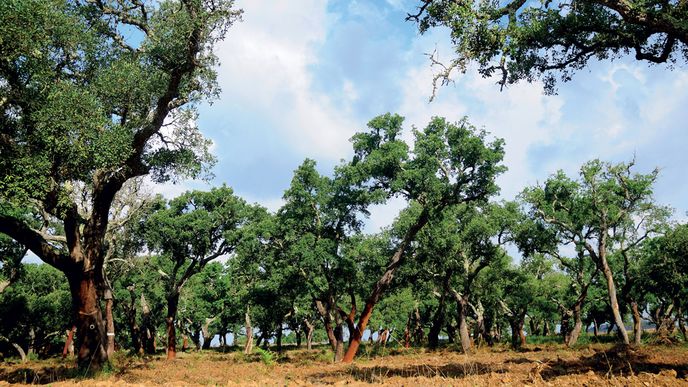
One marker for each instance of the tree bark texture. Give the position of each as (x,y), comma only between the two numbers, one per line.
(91,337)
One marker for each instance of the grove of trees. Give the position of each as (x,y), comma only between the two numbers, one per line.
(87,110)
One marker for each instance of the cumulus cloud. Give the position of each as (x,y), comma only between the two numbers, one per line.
(266,72)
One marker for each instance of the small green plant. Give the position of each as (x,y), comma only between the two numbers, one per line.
(266,356)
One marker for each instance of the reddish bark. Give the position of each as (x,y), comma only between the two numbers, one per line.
(382,285)
(68,343)
(172,304)
(91,338)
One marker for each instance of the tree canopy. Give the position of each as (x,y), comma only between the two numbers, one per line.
(551,40)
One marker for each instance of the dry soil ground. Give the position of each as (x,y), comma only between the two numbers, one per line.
(540,365)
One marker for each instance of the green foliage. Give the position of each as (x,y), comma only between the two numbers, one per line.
(37,305)
(520,40)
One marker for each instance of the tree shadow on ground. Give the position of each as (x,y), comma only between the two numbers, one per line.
(43,375)
(618,361)
(378,374)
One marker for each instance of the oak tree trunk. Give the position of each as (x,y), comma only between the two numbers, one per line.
(465,337)
(437,323)
(577,327)
(614,304)
(109,322)
(69,343)
(90,339)
(309,334)
(172,305)
(518,339)
(249,333)
(327,322)
(637,323)
(339,346)
(381,285)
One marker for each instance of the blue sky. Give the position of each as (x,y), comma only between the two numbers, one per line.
(299,78)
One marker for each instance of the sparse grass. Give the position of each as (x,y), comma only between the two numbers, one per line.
(593,364)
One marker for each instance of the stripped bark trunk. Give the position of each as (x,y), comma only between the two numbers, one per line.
(91,339)
(382,285)
(172,305)
(69,343)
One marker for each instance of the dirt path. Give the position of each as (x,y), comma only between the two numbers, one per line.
(549,365)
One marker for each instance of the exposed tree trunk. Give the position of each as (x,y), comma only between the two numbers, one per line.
(4,285)
(205,330)
(327,323)
(574,334)
(611,290)
(438,321)
(451,332)
(69,343)
(278,338)
(172,305)
(480,332)
(518,339)
(339,346)
(249,332)
(682,325)
(134,330)
(462,309)
(109,322)
(147,328)
(637,323)
(462,305)
(299,337)
(91,338)
(418,334)
(309,333)
(382,285)
(595,327)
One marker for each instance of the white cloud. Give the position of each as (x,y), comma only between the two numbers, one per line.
(520,114)
(265,72)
